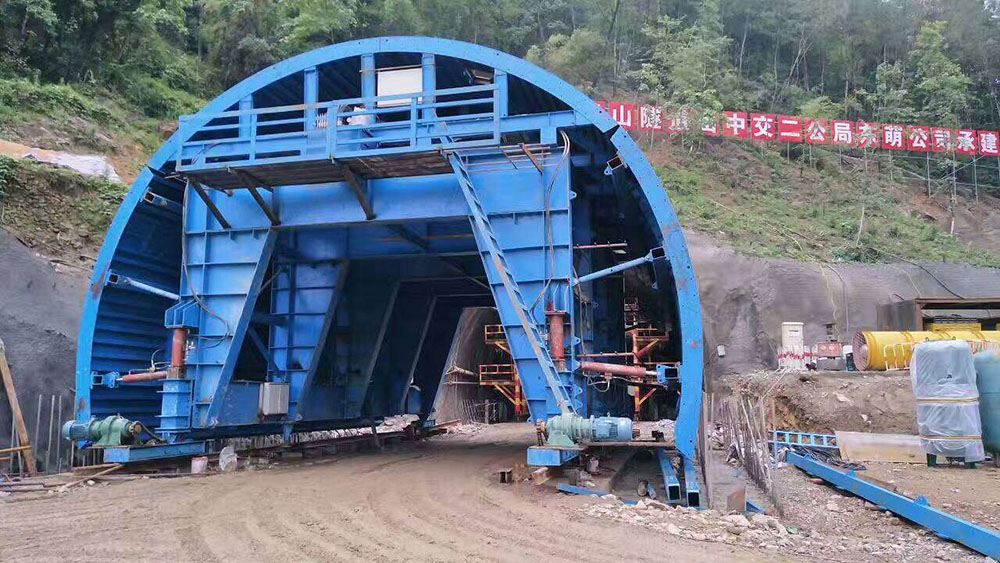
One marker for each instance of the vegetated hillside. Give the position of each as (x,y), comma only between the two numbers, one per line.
(760,200)
(57,212)
(766,202)
(85,119)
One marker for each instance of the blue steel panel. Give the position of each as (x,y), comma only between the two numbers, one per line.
(918,511)
(129,454)
(540,456)
(240,404)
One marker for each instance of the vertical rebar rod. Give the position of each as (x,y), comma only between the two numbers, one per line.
(48,446)
(10,465)
(38,425)
(58,441)
(20,455)
(927,171)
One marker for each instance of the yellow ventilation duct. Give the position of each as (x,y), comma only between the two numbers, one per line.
(884,350)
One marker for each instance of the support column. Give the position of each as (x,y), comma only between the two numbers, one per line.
(310,96)
(246,118)
(368,85)
(428,85)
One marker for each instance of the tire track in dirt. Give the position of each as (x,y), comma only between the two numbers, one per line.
(431,501)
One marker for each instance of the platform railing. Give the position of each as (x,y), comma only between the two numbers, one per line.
(346,128)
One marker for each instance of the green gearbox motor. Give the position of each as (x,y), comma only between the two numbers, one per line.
(114,430)
(572,429)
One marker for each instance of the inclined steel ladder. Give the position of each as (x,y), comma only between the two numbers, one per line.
(493,255)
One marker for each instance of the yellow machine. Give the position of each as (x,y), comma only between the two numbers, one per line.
(886,350)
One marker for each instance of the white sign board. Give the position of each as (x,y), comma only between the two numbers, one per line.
(395,82)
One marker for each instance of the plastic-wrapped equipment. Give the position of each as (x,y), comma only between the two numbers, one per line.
(944,382)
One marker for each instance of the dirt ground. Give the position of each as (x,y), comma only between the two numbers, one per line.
(843,527)
(823,402)
(434,501)
(972,494)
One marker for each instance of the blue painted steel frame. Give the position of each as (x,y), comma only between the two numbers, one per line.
(692,491)
(918,511)
(574,490)
(655,205)
(671,484)
(544,456)
(130,454)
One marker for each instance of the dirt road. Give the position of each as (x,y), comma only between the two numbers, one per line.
(435,501)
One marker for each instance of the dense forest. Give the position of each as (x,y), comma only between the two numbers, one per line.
(936,61)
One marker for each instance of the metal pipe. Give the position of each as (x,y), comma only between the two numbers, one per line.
(615,269)
(596,246)
(144,376)
(616,369)
(178,349)
(118,279)
(557,337)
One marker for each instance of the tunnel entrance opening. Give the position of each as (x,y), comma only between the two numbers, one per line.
(306,246)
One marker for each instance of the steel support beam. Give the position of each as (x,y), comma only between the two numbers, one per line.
(671,484)
(129,454)
(918,511)
(252,183)
(692,491)
(262,348)
(359,192)
(574,490)
(654,254)
(416,354)
(200,190)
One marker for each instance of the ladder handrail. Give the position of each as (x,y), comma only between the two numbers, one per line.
(496,254)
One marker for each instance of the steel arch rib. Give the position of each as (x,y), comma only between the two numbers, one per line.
(659,205)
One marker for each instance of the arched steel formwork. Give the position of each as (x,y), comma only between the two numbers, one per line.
(318,228)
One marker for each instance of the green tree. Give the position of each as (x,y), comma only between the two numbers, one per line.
(316,23)
(940,84)
(688,67)
(582,58)
(244,36)
(30,26)
(891,101)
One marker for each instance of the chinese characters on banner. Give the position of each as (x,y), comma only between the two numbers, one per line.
(766,127)
(817,131)
(790,129)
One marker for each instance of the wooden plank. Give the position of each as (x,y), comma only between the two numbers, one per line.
(861,446)
(15,407)
(91,476)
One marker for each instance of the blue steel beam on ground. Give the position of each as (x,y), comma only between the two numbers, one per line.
(574,490)
(804,439)
(671,483)
(692,492)
(917,510)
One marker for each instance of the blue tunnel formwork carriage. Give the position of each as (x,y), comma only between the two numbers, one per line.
(297,256)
